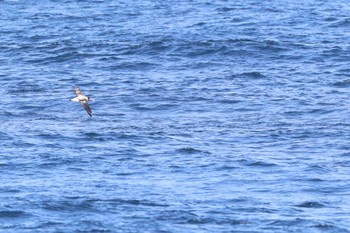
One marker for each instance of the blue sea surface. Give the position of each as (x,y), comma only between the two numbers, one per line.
(209,116)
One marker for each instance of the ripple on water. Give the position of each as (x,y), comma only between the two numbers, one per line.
(12,214)
(190,150)
(310,204)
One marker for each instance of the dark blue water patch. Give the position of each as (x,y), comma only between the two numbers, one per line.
(229,101)
(329,227)
(92,226)
(49,135)
(27,88)
(190,150)
(201,220)
(125,174)
(180,216)
(152,46)
(66,205)
(153,107)
(330,19)
(341,23)
(292,223)
(49,225)
(80,203)
(253,75)
(343,83)
(145,203)
(226,9)
(336,50)
(260,164)
(204,50)
(60,58)
(5,136)
(9,190)
(12,214)
(316,180)
(310,204)
(110,135)
(227,167)
(134,65)
(241,41)
(319,168)
(53,159)
(273,46)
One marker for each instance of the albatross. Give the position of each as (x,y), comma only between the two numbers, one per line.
(83,100)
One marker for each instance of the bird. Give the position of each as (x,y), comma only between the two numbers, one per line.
(83,100)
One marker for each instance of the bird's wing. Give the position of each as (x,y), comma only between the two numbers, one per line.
(86,107)
(77,91)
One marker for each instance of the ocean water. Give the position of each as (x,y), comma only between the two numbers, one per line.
(209,116)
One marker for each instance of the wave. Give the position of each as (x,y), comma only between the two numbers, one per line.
(12,213)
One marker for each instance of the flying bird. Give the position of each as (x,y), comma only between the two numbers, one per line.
(83,100)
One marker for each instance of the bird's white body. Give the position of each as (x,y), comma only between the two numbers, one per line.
(75,99)
(79,98)
(83,100)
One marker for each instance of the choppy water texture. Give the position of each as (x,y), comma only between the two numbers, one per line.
(209,116)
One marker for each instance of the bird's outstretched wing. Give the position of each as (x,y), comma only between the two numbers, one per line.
(77,91)
(87,107)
